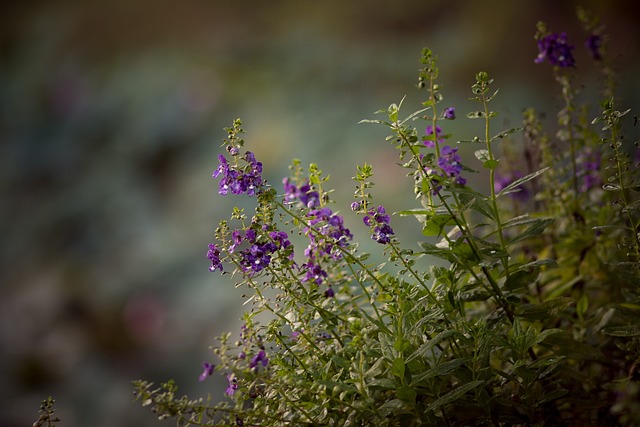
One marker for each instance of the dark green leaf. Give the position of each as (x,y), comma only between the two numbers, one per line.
(543,310)
(623,331)
(453,395)
(439,370)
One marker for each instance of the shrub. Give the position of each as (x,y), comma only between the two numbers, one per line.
(531,317)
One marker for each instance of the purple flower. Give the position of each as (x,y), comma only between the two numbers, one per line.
(213,254)
(451,164)
(379,219)
(355,206)
(233,385)
(556,50)
(208,371)
(449,113)
(260,358)
(589,162)
(329,292)
(258,256)
(304,195)
(593,45)
(429,132)
(382,234)
(239,180)
(314,273)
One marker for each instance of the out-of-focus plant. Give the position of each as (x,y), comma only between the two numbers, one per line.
(531,318)
(47,411)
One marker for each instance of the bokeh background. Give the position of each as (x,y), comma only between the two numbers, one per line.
(111,117)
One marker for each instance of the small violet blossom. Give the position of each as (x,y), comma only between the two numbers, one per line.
(449,113)
(207,372)
(594,46)
(554,48)
(260,358)
(429,132)
(233,385)
(329,292)
(590,167)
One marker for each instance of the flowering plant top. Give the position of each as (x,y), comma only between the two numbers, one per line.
(530,316)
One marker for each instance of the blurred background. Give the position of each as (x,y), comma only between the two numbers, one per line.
(111,117)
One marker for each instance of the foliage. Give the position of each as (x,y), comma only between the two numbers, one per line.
(46,418)
(531,317)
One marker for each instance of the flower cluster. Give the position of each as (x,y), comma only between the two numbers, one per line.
(589,162)
(258,256)
(238,180)
(379,220)
(327,234)
(213,254)
(555,48)
(451,164)
(303,194)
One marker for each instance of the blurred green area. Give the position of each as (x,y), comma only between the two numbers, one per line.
(111,116)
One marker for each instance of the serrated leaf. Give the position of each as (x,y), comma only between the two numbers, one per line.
(453,395)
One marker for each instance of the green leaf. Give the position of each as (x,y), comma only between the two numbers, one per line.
(623,331)
(453,395)
(428,346)
(439,370)
(476,115)
(521,181)
(547,333)
(543,310)
(535,229)
(398,367)
(393,406)
(581,307)
(407,394)
(505,133)
(436,223)
(490,164)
